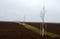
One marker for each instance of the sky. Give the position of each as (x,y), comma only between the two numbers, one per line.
(15,10)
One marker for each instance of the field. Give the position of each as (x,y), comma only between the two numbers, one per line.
(12,30)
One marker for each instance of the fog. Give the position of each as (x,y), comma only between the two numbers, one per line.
(15,10)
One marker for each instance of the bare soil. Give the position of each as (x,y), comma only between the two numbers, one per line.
(12,30)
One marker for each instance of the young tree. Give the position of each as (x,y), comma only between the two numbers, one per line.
(42,25)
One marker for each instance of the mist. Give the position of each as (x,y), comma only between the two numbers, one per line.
(15,10)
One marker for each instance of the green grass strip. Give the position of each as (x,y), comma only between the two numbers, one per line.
(38,31)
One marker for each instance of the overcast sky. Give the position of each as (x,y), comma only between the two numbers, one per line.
(14,10)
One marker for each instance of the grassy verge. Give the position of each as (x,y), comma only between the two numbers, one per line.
(38,31)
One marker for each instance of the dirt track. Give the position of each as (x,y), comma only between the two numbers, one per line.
(11,30)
